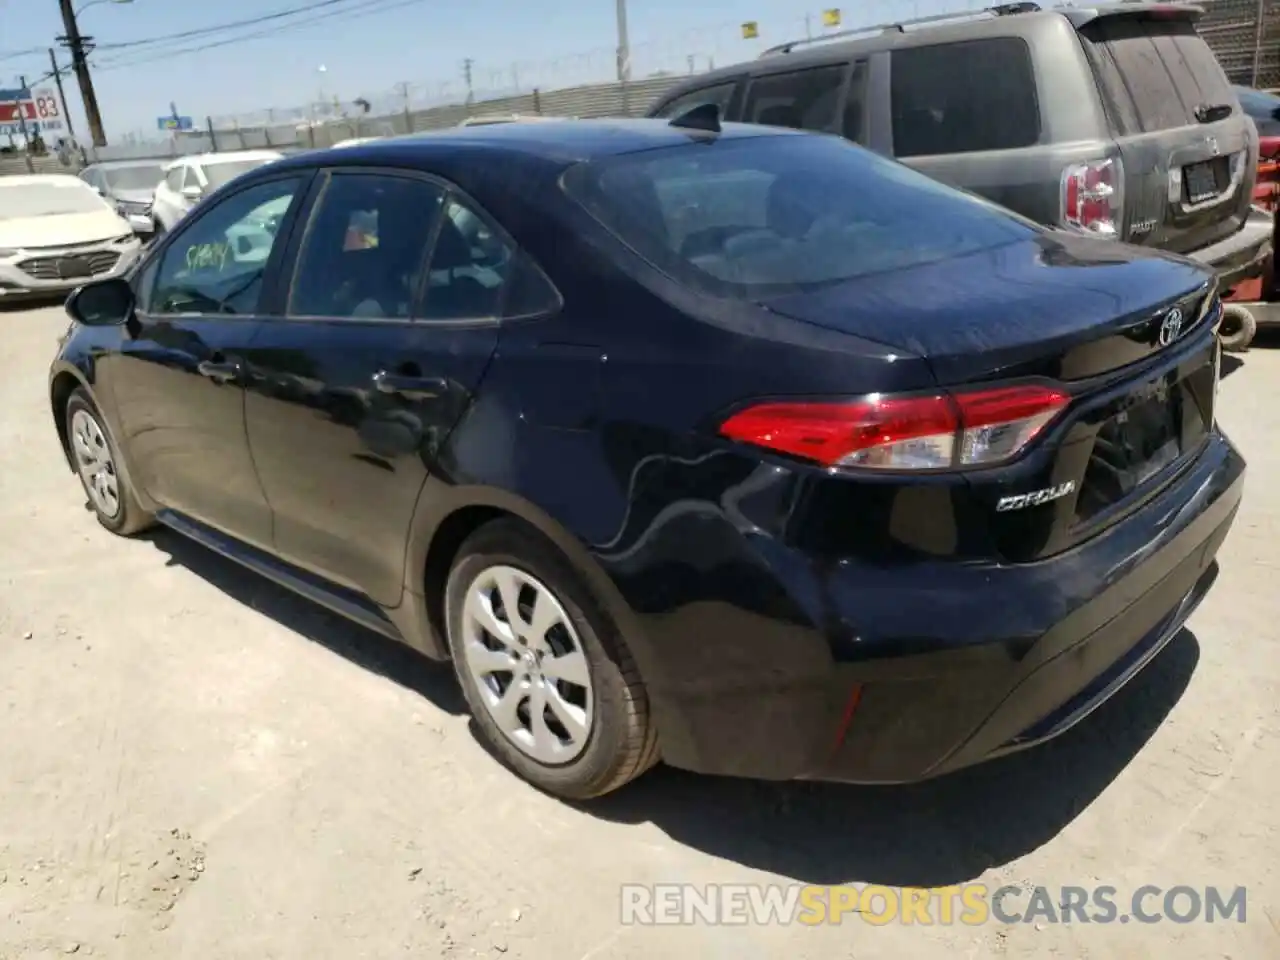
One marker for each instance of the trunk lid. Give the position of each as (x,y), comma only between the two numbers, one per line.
(1086,313)
(1186,149)
(1064,306)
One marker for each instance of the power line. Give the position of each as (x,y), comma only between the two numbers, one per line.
(18,54)
(222,27)
(366,7)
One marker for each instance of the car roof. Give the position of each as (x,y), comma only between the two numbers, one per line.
(1000,20)
(135,162)
(560,143)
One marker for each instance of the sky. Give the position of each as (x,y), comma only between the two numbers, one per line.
(378,48)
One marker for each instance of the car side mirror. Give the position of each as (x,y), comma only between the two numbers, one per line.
(192,193)
(104,303)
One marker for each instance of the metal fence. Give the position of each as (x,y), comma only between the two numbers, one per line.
(586,101)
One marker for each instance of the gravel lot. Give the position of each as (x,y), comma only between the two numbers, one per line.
(194,763)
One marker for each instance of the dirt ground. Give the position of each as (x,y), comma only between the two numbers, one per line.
(196,764)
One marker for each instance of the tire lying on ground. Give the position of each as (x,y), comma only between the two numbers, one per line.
(1237,328)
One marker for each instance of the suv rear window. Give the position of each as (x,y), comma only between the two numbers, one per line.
(762,216)
(963,97)
(1154,73)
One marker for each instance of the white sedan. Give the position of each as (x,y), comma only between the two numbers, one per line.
(57,232)
(188,179)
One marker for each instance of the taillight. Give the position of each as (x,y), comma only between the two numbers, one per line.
(1091,196)
(936,432)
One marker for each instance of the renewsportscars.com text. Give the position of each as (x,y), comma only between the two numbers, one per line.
(971,904)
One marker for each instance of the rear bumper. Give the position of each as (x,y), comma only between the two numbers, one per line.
(1015,654)
(1241,255)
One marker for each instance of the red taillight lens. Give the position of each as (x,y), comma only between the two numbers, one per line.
(936,432)
(1091,196)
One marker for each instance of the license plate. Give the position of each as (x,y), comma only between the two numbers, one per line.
(1143,440)
(1201,180)
(69,268)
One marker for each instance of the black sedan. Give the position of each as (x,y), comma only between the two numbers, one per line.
(743,449)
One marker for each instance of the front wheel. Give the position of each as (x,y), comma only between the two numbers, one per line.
(100,469)
(550,683)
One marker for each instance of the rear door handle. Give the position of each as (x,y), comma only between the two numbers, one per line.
(221,371)
(409,387)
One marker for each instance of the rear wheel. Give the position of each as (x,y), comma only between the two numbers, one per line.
(1237,329)
(549,681)
(100,469)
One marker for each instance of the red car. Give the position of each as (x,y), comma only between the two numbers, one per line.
(1257,301)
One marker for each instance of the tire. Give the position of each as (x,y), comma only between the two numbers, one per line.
(86,431)
(1237,328)
(620,740)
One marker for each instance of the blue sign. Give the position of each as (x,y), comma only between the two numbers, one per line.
(10,96)
(174,123)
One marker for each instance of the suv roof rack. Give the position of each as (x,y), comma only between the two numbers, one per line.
(899,26)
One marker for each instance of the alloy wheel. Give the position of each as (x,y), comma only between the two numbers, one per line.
(94,463)
(529,667)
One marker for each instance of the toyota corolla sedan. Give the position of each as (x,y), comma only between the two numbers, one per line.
(739,448)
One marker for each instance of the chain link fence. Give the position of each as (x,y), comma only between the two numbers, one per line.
(1244,34)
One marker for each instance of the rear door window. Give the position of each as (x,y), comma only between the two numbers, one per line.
(963,97)
(363,253)
(720,95)
(803,99)
(1153,74)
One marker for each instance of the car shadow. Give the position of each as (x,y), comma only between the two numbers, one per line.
(930,834)
(363,647)
(1231,362)
(31,303)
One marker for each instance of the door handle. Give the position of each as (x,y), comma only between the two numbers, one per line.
(410,387)
(221,371)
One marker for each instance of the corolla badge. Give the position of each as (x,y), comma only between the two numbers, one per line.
(1170,327)
(1021,501)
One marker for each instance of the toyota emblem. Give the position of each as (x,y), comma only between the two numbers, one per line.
(1170,327)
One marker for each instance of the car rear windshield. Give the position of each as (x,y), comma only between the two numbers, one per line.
(1154,74)
(222,173)
(760,216)
(141,177)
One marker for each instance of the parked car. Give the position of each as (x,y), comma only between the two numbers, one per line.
(1115,119)
(1255,302)
(129,185)
(739,447)
(188,179)
(55,232)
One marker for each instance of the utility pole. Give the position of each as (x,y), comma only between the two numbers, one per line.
(22,124)
(62,97)
(79,46)
(467,64)
(624,57)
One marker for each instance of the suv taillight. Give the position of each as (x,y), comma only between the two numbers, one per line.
(1091,196)
(972,428)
